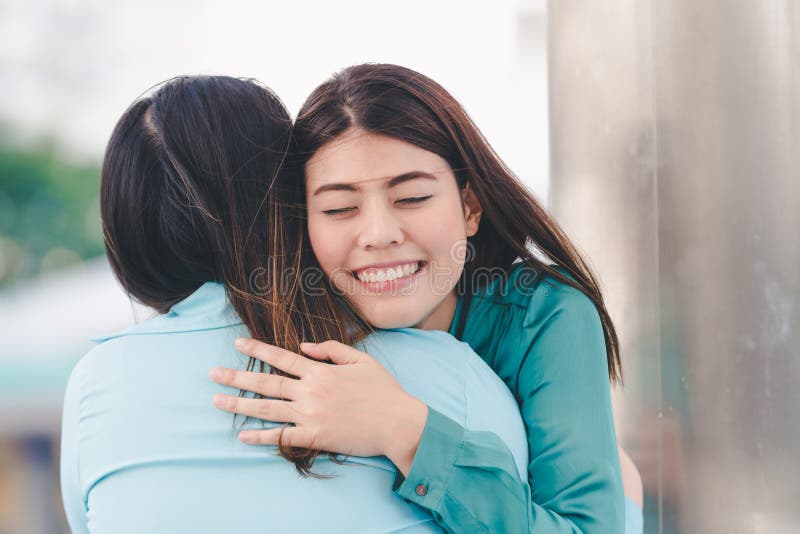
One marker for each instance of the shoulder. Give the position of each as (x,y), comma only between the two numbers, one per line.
(159,359)
(427,350)
(536,296)
(556,303)
(554,324)
(561,335)
(415,350)
(101,369)
(400,340)
(106,355)
(430,365)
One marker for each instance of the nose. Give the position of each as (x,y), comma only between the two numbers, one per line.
(380,228)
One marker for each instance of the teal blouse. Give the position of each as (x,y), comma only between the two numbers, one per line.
(545,341)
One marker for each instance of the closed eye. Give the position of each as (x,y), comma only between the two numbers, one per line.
(409,201)
(339,212)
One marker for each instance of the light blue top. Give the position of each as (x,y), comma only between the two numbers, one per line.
(144,449)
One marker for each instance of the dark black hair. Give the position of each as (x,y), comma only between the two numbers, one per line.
(185,185)
(188,196)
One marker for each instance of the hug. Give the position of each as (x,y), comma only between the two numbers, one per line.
(423,349)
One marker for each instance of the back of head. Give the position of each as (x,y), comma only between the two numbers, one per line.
(189,196)
(185,183)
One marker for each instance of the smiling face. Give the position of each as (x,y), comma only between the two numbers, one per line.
(388,225)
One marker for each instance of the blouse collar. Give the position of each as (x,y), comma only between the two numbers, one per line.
(205,309)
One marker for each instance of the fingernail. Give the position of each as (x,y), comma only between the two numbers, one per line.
(216,374)
(219,400)
(240,342)
(307,344)
(245,437)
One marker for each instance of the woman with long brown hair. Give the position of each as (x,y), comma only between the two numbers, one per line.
(416,222)
(191,225)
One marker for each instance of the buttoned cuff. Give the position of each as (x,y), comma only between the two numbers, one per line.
(441,442)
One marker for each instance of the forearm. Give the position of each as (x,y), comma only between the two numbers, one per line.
(403,432)
(469,482)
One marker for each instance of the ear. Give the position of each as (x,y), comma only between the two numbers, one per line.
(472,210)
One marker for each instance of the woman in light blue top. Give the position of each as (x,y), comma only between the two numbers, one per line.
(142,448)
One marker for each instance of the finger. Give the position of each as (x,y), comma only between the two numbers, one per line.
(286,361)
(311,350)
(277,411)
(337,352)
(276,386)
(261,437)
(293,436)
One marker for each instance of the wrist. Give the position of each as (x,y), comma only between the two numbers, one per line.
(407,424)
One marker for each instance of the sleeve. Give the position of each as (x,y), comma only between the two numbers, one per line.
(454,471)
(468,480)
(71,492)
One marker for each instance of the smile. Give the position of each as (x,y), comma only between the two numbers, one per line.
(388,273)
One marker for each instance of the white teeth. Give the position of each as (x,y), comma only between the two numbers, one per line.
(392,273)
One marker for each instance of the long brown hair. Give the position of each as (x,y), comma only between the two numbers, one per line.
(185,174)
(398,102)
(401,103)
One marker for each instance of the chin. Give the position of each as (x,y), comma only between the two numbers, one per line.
(389,323)
(391,317)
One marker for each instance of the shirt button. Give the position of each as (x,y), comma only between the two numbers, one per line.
(421,490)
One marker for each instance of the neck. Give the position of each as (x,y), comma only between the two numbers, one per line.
(441,317)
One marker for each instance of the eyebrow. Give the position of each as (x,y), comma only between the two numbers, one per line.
(397,180)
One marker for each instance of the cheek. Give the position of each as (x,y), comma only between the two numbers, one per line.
(326,243)
(445,233)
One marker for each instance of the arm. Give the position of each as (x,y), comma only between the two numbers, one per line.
(468,480)
(573,468)
(71,492)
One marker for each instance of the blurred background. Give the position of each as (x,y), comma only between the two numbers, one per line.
(661,133)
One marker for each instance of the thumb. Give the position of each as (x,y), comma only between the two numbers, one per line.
(333,351)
